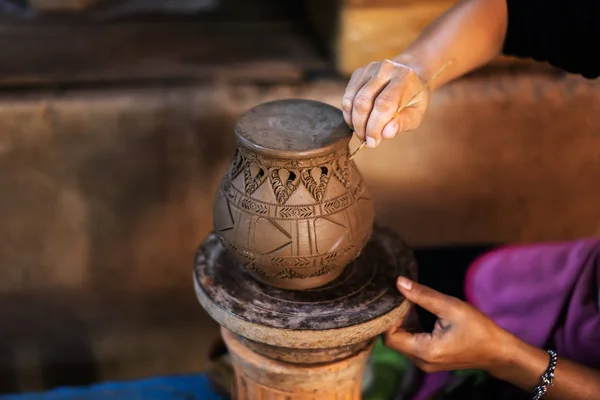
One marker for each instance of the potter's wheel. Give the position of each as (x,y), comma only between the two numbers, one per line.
(357,305)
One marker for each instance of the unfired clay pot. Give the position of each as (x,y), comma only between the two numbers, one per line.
(292,208)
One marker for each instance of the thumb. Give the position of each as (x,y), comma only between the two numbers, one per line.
(431,300)
(411,345)
(408,119)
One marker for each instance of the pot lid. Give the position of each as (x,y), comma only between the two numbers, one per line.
(293,127)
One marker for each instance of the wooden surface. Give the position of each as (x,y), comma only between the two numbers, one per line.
(357,32)
(60,5)
(246,43)
(103,47)
(137,52)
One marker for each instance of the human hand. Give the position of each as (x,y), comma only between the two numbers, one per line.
(374,94)
(463,337)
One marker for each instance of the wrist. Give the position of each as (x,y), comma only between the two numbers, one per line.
(425,67)
(506,357)
(415,64)
(518,361)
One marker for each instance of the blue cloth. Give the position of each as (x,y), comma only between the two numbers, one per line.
(184,387)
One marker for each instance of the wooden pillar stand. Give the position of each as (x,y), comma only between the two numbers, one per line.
(301,345)
(261,377)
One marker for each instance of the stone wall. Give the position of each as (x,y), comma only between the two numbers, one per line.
(107,193)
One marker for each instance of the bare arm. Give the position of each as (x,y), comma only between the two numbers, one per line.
(470,34)
(464,338)
(523,364)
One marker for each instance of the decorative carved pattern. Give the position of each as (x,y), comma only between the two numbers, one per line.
(336,204)
(342,173)
(283,190)
(283,231)
(252,266)
(288,273)
(242,252)
(316,189)
(229,190)
(237,165)
(333,256)
(252,180)
(290,262)
(293,163)
(252,206)
(323,271)
(291,268)
(296,212)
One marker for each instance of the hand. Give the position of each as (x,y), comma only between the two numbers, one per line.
(463,337)
(374,94)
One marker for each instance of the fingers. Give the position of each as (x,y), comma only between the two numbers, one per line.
(463,338)
(435,302)
(422,349)
(383,110)
(357,80)
(363,106)
(373,96)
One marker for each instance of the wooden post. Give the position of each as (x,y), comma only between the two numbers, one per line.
(260,377)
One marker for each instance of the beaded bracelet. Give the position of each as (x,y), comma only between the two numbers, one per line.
(547,379)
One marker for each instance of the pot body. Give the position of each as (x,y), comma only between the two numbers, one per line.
(293,222)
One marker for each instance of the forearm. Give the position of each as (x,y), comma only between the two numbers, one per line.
(523,366)
(470,34)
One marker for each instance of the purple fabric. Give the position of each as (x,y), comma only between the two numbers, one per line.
(545,294)
(432,384)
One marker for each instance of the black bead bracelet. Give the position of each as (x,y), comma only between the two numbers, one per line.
(547,379)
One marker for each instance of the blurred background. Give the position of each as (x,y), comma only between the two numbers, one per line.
(116,122)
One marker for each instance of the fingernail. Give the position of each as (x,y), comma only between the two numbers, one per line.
(404,283)
(371,142)
(390,130)
(346,104)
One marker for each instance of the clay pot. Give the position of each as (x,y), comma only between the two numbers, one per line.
(292,208)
